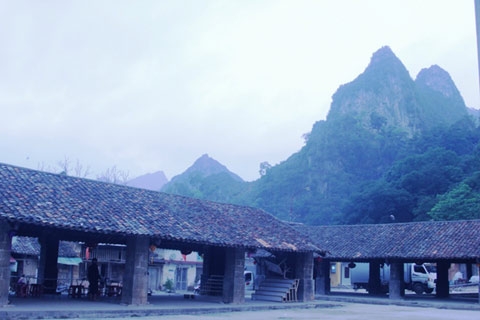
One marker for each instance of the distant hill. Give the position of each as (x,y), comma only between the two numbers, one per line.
(206,179)
(151,181)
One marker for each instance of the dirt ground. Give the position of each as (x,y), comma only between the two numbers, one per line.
(344,311)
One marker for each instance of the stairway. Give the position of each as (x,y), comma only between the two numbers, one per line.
(213,286)
(277,289)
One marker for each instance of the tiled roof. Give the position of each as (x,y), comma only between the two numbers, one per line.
(30,246)
(423,241)
(82,205)
(25,245)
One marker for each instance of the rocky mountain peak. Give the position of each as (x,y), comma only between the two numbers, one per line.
(386,94)
(387,63)
(438,80)
(384,90)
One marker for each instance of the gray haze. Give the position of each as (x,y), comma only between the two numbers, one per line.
(152,85)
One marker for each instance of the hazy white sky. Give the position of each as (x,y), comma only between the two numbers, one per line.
(152,85)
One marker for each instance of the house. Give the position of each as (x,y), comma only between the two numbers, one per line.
(26,253)
(183,270)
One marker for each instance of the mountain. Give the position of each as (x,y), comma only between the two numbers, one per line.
(392,149)
(206,166)
(151,181)
(381,123)
(206,179)
(385,94)
(440,99)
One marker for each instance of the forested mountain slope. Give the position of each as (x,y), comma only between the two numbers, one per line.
(392,149)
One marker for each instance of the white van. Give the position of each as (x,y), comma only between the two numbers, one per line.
(249,280)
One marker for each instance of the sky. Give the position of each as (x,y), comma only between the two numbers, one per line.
(145,86)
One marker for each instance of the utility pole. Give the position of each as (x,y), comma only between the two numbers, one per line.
(477,20)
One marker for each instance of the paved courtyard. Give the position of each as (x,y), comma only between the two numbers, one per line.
(343,311)
(341,305)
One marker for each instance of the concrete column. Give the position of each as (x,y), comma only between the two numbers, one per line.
(374,282)
(304,272)
(442,287)
(395,285)
(234,280)
(135,279)
(48,264)
(5,245)
(322,280)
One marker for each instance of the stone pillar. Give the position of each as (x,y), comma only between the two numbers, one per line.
(322,280)
(478,264)
(442,287)
(207,260)
(48,264)
(395,286)
(469,270)
(234,280)
(304,272)
(5,245)
(135,279)
(374,282)
(213,265)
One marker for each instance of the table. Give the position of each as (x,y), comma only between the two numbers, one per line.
(36,290)
(76,291)
(114,290)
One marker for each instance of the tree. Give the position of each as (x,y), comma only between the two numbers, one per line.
(114,175)
(380,202)
(65,167)
(459,204)
(264,167)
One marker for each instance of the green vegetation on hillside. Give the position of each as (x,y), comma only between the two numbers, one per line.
(391,150)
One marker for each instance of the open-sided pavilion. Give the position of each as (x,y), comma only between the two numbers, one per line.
(440,242)
(54,207)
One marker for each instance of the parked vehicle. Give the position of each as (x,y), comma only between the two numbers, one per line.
(249,280)
(196,287)
(419,278)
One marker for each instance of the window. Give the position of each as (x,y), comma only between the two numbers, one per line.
(418,269)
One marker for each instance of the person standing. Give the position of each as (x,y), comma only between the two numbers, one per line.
(93,278)
(22,286)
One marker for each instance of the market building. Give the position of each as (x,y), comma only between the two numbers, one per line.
(56,207)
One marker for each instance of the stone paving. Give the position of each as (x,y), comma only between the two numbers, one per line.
(63,307)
